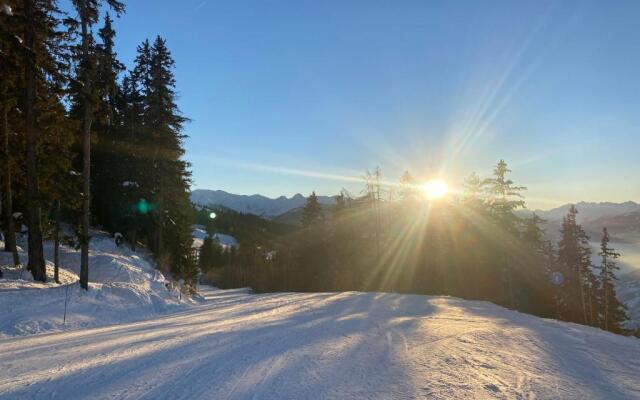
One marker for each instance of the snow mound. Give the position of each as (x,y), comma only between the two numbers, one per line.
(124,286)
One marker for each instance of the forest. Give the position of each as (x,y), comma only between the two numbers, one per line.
(88,142)
(479,244)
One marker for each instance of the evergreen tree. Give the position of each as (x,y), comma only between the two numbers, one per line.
(36,256)
(312,211)
(108,158)
(9,73)
(44,58)
(533,235)
(503,199)
(166,177)
(613,312)
(88,11)
(574,257)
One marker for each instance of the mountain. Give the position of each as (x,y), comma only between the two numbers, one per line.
(255,204)
(590,211)
(622,220)
(624,227)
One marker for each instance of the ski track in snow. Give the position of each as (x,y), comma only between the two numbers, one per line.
(238,345)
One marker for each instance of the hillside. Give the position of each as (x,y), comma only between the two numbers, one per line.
(255,204)
(124,286)
(294,217)
(242,226)
(237,345)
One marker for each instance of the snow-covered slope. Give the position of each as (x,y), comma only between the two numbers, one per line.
(124,286)
(199,233)
(255,204)
(326,346)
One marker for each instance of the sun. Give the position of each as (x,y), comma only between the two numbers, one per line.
(435,189)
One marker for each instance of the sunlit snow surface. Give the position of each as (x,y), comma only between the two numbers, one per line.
(237,345)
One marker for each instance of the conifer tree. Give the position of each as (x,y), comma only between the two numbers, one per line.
(504,198)
(43,81)
(88,11)
(9,73)
(533,234)
(312,211)
(574,256)
(108,158)
(613,312)
(166,179)
(36,256)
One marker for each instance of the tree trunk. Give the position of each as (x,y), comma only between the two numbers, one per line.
(36,257)
(583,302)
(86,152)
(7,201)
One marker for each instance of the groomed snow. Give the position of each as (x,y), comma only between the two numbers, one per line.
(238,345)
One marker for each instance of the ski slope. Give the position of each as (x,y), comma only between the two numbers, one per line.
(237,345)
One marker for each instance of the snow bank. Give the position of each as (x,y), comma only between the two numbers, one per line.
(124,287)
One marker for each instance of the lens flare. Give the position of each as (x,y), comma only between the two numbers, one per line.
(435,189)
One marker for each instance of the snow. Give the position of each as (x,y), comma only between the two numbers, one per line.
(124,286)
(199,233)
(238,345)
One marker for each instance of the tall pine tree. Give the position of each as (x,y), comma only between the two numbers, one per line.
(88,11)
(613,312)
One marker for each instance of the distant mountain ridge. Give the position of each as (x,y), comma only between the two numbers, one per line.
(589,211)
(622,219)
(253,204)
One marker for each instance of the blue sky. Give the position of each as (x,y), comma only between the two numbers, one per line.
(291,96)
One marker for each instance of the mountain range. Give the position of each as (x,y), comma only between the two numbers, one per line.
(621,219)
(253,204)
(588,212)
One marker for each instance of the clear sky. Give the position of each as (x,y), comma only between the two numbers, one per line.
(295,96)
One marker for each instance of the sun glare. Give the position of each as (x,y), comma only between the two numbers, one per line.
(435,189)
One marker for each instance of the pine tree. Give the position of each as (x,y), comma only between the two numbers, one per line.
(88,11)
(312,211)
(533,235)
(38,112)
(613,312)
(9,72)
(574,257)
(108,158)
(36,256)
(166,179)
(503,200)
(44,67)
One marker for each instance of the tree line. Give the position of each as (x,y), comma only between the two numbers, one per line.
(476,245)
(86,141)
